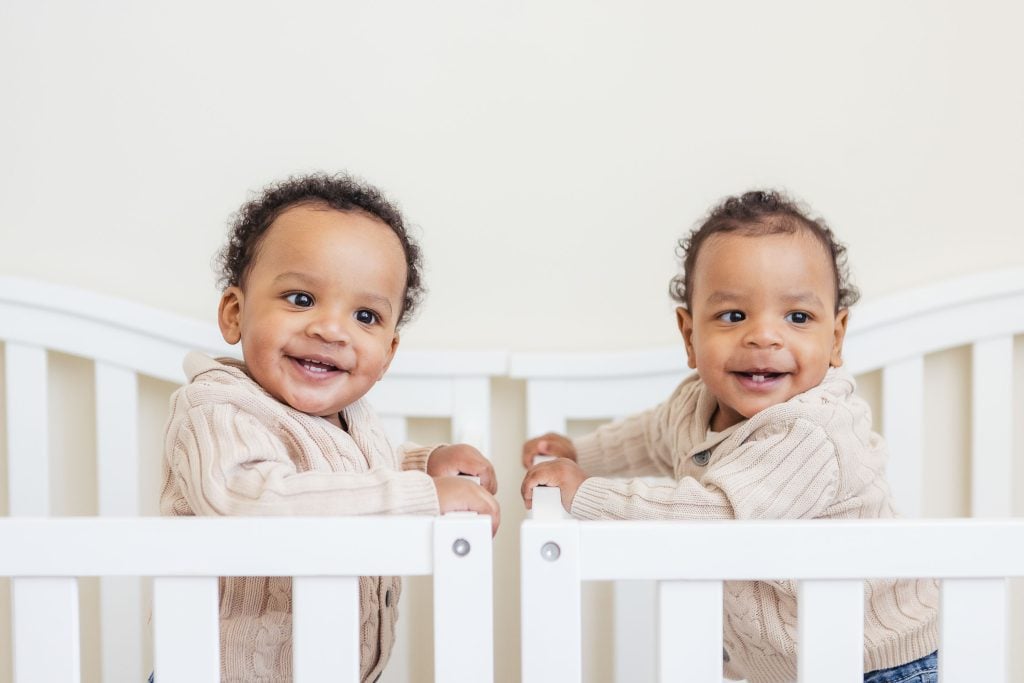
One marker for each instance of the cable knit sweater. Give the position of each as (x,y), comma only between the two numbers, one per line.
(232,449)
(812,457)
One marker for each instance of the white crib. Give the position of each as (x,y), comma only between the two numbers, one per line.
(45,556)
(973,557)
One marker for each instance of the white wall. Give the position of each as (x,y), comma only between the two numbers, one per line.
(551,153)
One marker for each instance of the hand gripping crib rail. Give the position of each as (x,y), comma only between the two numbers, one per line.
(829,559)
(186,555)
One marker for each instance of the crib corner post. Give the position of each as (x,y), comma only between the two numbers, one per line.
(463,599)
(551,604)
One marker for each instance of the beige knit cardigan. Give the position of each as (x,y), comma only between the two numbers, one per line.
(812,457)
(232,449)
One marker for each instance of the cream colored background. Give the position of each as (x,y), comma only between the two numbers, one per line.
(549,153)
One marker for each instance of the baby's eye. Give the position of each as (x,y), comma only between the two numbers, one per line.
(366,317)
(732,317)
(300,299)
(799,317)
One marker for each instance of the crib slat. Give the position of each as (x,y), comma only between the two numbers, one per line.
(186,636)
(903,423)
(325,628)
(117,441)
(46,639)
(117,464)
(992,427)
(545,406)
(471,412)
(28,459)
(690,631)
(831,631)
(463,599)
(973,643)
(550,594)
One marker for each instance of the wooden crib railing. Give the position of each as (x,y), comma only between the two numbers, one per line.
(45,557)
(830,560)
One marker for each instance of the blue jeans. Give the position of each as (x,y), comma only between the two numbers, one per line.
(924,670)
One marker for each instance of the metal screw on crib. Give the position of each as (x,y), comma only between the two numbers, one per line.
(461,547)
(550,551)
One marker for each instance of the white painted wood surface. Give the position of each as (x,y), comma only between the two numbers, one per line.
(45,557)
(830,559)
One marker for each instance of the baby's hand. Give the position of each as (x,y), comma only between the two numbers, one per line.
(549,444)
(460,458)
(560,472)
(458,494)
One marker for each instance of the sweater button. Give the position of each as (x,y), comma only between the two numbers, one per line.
(702,458)
(387,598)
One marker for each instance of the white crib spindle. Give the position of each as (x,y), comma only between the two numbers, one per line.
(551,610)
(471,412)
(46,639)
(545,407)
(325,629)
(903,423)
(28,459)
(992,427)
(117,464)
(463,599)
(830,644)
(973,644)
(690,631)
(186,633)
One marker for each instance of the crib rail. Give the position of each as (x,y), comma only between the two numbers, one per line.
(44,558)
(829,559)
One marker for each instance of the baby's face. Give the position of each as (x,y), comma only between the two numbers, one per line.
(762,325)
(318,310)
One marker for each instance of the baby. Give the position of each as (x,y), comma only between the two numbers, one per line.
(769,427)
(318,275)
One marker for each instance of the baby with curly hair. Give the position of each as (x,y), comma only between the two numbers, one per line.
(318,276)
(768,427)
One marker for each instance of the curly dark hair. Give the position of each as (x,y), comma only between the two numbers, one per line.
(761,212)
(341,192)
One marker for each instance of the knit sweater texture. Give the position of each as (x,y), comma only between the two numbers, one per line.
(232,449)
(812,457)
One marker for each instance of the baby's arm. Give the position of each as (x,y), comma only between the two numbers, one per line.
(225,462)
(789,474)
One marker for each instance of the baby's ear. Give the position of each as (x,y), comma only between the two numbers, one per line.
(839,334)
(229,315)
(685,321)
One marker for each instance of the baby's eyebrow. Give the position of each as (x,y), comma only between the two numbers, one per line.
(723,296)
(295,275)
(805,298)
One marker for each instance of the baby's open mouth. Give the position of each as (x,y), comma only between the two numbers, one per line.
(761,376)
(316,366)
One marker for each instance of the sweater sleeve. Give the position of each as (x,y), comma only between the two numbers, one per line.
(225,462)
(784,472)
(636,446)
